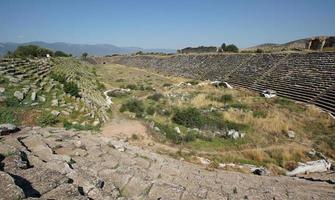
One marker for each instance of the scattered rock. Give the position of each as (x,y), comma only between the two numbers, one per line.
(177,129)
(291,134)
(96,123)
(6,129)
(55,113)
(78,144)
(19,95)
(259,171)
(33,96)
(41,98)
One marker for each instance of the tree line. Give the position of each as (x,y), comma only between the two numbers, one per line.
(27,51)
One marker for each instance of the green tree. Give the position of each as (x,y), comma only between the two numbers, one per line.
(31,51)
(231,48)
(223,46)
(84,55)
(61,54)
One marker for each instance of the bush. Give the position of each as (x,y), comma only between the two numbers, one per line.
(189,117)
(231,48)
(131,86)
(71,88)
(155,97)
(47,120)
(134,106)
(60,54)
(151,110)
(189,137)
(59,77)
(170,133)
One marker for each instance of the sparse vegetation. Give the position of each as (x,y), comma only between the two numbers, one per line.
(134,106)
(71,88)
(47,119)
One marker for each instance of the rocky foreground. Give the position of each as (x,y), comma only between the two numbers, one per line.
(51,163)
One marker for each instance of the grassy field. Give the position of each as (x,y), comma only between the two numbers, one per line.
(201,111)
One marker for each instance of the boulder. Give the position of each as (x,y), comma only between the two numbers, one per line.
(309,167)
(259,171)
(19,95)
(6,129)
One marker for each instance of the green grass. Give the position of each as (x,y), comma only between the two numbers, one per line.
(47,119)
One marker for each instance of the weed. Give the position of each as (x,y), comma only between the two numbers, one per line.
(47,119)
(156,96)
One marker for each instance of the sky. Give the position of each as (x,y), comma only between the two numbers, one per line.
(170,24)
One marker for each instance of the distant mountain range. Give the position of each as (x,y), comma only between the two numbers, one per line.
(78,49)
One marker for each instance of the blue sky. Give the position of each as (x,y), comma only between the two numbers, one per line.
(165,23)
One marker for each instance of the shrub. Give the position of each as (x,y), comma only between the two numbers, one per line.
(151,110)
(47,119)
(231,48)
(189,137)
(131,86)
(189,117)
(71,88)
(155,97)
(134,106)
(59,77)
(170,133)
(60,54)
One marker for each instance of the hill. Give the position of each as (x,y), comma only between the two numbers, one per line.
(78,49)
(300,44)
